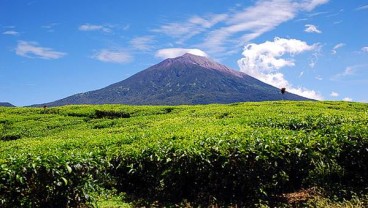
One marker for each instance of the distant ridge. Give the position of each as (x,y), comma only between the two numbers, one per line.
(188,79)
(6,104)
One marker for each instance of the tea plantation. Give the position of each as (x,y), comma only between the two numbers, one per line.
(243,154)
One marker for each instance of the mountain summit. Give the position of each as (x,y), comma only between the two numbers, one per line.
(190,60)
(188,79)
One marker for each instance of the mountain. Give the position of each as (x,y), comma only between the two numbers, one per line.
(5,104)
(188,79)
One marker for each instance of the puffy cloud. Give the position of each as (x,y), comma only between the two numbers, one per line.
(142,43)
(334,94)
(175,52)
(365,49)
(113,56)
(340,45)
(347,99)
(263,62)
(90,27)
(305,92)
(11,32)
(267,56)
(33,50)
(311,29)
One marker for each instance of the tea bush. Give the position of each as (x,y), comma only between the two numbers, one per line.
(240,154)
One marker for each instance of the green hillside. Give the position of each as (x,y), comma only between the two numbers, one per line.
(246,154)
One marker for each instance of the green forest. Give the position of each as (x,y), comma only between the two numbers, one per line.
(254,154)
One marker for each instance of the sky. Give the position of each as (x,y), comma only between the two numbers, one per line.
(51,49)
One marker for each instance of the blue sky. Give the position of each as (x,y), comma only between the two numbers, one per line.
(50,49)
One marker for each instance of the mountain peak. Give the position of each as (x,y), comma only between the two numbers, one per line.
(199,60)
(189,60)
(190,55)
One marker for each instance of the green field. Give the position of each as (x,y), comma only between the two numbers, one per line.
(245,154)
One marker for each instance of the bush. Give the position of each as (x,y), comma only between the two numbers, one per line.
(111,114)
(48,182)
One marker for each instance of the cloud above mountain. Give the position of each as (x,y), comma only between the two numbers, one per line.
(175,52)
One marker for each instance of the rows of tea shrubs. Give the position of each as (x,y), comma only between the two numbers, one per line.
(213,154)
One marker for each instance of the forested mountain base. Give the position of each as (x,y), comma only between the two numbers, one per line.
(243,154)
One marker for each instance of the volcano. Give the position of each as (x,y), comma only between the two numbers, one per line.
(6,104)
(188,79)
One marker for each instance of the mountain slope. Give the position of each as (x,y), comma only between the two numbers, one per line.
(6,104)
(187,79)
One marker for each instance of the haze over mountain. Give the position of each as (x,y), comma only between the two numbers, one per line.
(188,79)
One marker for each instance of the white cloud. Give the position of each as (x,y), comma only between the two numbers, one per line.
(309,5)
(142,43)
(334,94)
(50,27)
(319,77)
(11,32)
(304,92)
(315,56)
(267,56)
(362,7)
(193,26)
(250,23)
(347,99)
(315,14)
(126,27)
(337,46)
(311,29)
(365,49)
(263,62)
(113,56)
(349,71)
(90,27)
(175,52)
(226,31)
(33,50)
